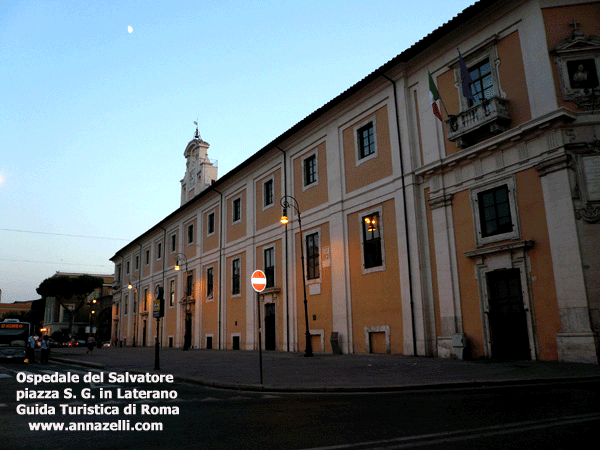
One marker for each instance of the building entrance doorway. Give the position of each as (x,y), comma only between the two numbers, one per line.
(507,316)
(144,335)
(270,340)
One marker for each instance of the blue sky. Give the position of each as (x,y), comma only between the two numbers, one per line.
(94,119)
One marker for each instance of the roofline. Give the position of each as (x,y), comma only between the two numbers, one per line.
(406,55)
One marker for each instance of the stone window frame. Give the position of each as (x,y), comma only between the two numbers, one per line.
(264,183)
(490,51)
(210,297)
(264,250)
(305,234)
(514,211)
(371,119)
(239,260)
(361,216)
(313,153)
(233,212)
(208,232)
(172,293)
(378,329)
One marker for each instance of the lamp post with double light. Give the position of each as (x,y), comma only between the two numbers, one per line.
(92,306)
(187,337)
(286,202)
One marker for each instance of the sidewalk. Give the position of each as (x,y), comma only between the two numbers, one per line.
(284,371)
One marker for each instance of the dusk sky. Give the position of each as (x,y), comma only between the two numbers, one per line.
(94,118)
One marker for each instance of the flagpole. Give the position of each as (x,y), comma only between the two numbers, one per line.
(443,104)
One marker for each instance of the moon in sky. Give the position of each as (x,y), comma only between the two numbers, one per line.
(130,29)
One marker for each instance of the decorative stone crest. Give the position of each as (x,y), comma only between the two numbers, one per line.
(578,62)
(589,214)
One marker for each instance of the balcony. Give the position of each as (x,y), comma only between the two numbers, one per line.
(490,117)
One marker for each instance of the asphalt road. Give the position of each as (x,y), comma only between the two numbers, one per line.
(549,416)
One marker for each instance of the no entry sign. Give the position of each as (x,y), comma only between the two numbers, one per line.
(259,280)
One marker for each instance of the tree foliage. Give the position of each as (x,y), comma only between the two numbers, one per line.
(70,291)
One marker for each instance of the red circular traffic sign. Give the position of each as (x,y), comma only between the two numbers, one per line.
(258,280)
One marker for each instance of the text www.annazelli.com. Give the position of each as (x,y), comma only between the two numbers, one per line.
(119,425)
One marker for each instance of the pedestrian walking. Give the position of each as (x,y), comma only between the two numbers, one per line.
(90,344)
(31,349)
(45,349)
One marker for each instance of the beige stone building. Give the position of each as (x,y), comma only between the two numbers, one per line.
(474,235)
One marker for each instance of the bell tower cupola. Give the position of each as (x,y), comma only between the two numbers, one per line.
(200,171)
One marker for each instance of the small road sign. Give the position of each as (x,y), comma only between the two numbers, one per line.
(258,280)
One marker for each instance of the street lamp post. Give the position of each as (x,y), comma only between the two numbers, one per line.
(92,305)
(134,311)
(187,338)
(284,220)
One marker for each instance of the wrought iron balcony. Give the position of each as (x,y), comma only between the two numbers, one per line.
(490,117)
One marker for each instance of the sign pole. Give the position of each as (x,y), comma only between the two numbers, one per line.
(158,311)
(259,338)
(259,283)
(156,351)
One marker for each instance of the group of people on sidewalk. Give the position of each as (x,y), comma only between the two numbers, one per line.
(45,346)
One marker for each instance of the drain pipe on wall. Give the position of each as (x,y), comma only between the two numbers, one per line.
(220,301)
(287,305)
(405,213)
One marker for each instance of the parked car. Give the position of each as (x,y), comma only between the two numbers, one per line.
(76,343)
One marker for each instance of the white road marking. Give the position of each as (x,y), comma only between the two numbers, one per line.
(461,435)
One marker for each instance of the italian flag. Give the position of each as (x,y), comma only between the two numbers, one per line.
(434,96)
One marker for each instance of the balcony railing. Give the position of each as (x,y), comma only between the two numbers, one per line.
(490,117)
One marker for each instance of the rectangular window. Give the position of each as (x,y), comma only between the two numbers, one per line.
(268,193)
(125,305)
(372,241)
(312,257)
(209,281)
(190,233)
(366,140)
(147,257)
(237,209)
(310,170)
(211,223)
(269,255)
(235,277)
(494,211)
(118,272)
(137,262)
(146,300)
(482,82)
(116,309)
(172,293)
(159,250)
(127,267)
(189,284)
(173,242)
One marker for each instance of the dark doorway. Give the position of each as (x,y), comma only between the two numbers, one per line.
(235,344)
(507,317)
(187,337)
(209,340)
(144,335)
(270,341)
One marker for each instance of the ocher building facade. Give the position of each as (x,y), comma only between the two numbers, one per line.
(473,235)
